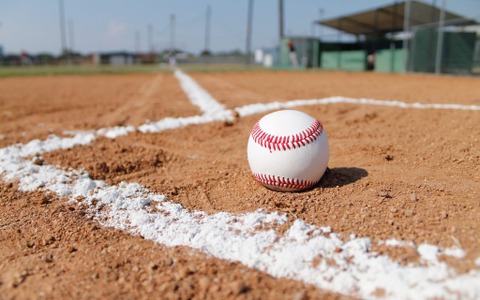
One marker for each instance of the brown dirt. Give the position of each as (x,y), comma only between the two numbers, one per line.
(238,89)
(404,174)
(34,107)
(50,250)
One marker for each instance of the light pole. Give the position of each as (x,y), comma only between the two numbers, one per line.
(137,42)
(172,59)
(1,50)
(172,33)
(280,19)
(63,37)
(71,35)
(248,47)
(150,37)
(207,29)
(320,26)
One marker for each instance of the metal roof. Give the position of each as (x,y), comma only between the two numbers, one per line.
(390,18)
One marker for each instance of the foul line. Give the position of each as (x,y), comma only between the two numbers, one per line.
(214,111)
(129,206)
(356,269)
(263,107)
(197,95)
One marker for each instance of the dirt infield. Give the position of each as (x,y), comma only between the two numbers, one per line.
(34,107)
(237,89)
(405,174)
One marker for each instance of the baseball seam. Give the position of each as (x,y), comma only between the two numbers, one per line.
(283,182)
(288,142)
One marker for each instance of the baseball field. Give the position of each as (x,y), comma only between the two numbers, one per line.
(137,185)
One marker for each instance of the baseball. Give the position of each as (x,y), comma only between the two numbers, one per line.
(288,151)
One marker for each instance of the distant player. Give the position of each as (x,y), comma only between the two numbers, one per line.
(371,61)
(293,54)
(25,59)
(172,59)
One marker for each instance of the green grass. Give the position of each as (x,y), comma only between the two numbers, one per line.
(78,70)
(95,70)
(201,68)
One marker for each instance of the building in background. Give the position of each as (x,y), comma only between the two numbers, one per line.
(400,37)
(266,56)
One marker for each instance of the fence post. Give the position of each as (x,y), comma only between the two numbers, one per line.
(406,30)
(438,56)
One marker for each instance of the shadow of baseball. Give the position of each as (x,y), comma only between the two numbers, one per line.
(341,176)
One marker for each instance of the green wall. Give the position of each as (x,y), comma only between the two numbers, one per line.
(307,51)
(390,60)
(344,60)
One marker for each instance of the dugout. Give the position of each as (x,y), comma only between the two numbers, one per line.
(403,36)
(314,53)
(354,56)
(350,56)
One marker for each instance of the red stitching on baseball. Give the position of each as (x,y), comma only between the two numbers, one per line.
(283,182)
(274,143)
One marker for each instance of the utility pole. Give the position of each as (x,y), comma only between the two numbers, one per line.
(441,22)
(1,50)
(207,30)
(280,19)
(150,37)
(248,47)
(406,31)
(63,37)
(137,41)
(71,36)
(172,36)
(172,33)
(320,26)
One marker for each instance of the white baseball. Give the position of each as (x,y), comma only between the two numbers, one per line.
(288,151)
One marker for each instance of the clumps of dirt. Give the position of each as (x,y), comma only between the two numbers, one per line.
(403,254)
(52,251)
(102,170)
(114,161)
(35,107)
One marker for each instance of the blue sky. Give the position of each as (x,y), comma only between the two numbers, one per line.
(104,25)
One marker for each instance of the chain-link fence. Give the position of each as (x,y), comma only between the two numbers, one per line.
(476,57)
(448,49)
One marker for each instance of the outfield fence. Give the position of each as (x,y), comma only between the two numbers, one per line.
(447,49)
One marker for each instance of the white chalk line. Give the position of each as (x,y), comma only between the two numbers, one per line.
(198,96)
(214,111)
(251,109)
(357,270)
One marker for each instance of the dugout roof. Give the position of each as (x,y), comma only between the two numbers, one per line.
(390,18)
